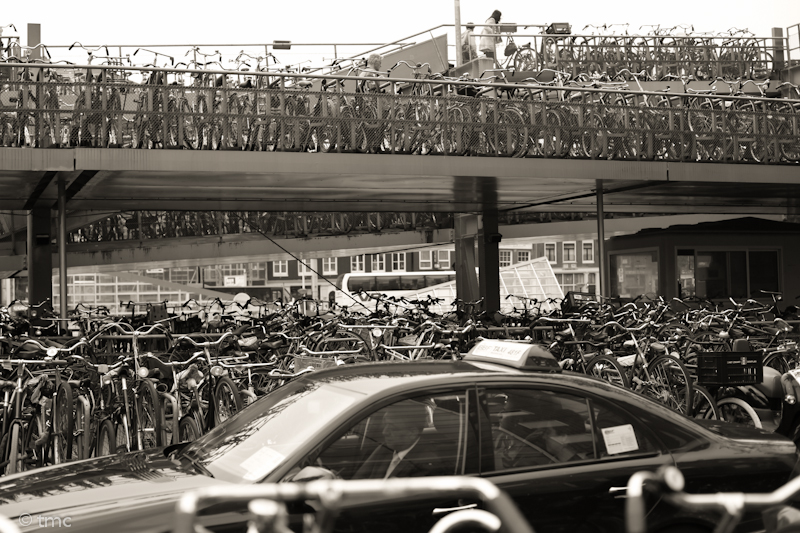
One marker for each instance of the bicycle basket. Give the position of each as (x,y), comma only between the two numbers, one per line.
(730,368)
(559,27)
(510,49)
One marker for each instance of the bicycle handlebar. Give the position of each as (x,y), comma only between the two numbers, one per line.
(207,344)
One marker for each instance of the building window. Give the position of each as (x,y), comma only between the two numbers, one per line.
(633,274)
(588,252)
(523,255)
(571,281)
(378,263)
(568,249)
(329,266)
(398,262)
(426,260)
(280,269)
(306,266)
(550,251)
(443,259)
(357,263)
(727,274)
(505,258)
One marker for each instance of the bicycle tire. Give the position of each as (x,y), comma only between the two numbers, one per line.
(703,404)
(188,429)
(738,411)
(777,361)
(122,432)
(80,433)
(608,369)
(148,416)
(106,439)
(227,400)
(670,383)
(34,454)
(13,444)
(64,422)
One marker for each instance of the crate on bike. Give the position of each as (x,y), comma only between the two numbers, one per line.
(317,363)
(574,301)
(730,368)
(559,27)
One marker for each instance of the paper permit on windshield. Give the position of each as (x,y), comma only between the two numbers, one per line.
(620,439)
(261,463)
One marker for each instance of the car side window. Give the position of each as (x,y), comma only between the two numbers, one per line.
(423,436)
(617,433)
(541,428)
(533,427)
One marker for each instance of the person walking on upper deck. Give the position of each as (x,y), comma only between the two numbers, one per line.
(468,52)
(490,35)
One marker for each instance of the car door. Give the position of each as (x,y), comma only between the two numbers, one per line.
(443,442)
(563,456)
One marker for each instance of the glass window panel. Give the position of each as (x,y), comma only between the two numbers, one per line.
(427,429)
(426,260)
(764,272)
(357,263)
(712,275)
(634,274)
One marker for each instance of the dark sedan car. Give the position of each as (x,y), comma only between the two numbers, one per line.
(562,445)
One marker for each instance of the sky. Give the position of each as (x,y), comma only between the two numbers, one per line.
(151,22)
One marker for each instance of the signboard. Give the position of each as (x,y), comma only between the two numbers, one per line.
(235,281)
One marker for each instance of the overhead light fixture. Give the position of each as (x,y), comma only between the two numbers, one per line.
(281,45)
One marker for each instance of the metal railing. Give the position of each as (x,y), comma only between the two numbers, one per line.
(53,106)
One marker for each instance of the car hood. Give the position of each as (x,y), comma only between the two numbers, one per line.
(135,491)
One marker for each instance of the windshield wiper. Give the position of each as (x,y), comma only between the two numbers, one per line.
(196,464)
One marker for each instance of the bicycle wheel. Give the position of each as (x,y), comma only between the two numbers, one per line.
(777,360)
(81,437)
(188,429)
(525,60)
(703,404)
(106,439)
(34,447)
(608,369)
(738,411)
(64,423)
(346,341)
(13,444)
(227,400)
(148,416)
(669,383)
(123,432)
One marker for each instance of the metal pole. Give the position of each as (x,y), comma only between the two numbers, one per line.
(459,58)
(62,248)
(601,248)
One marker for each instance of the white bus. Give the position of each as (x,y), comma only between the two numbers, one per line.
(349,290)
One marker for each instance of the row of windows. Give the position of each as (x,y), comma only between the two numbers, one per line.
(569,250)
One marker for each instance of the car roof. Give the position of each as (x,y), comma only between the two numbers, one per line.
(376,378)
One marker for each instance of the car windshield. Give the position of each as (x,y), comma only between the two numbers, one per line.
(250,445)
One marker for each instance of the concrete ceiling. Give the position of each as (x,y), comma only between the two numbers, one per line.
(125,179)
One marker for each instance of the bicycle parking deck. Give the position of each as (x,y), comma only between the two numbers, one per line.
(305,142)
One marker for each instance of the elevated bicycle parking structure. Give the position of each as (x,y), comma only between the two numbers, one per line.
(286,112)
(100,137)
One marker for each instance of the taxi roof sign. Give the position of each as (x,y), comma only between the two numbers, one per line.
(514,354)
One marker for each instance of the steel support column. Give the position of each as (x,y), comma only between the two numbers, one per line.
(466,230)
(62,248)
(601,239)
(40,259)
(489,261)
